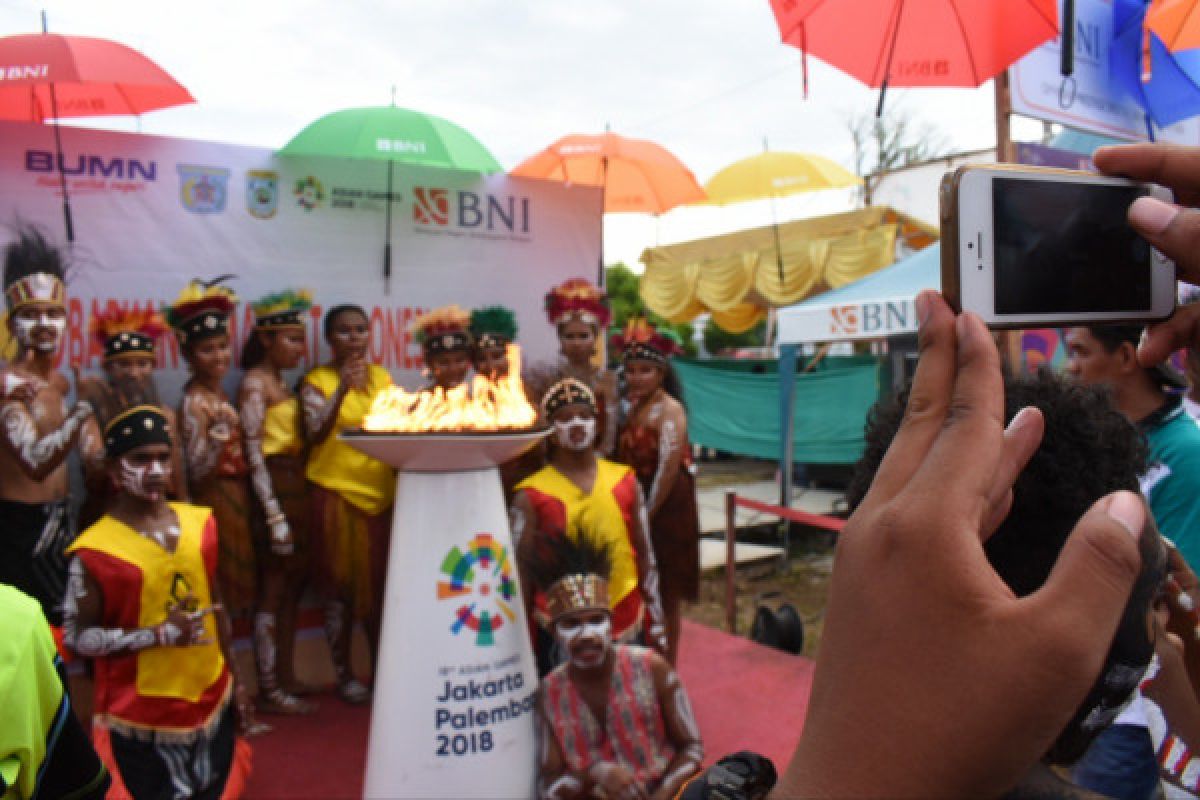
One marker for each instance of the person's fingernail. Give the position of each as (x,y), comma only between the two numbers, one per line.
(1127,508)
(1020,420)
(924,307)
(1151,214)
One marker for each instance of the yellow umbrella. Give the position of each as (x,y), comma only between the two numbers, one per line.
(772,174)
(777,174)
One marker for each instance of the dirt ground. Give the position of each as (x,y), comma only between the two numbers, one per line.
(803,581)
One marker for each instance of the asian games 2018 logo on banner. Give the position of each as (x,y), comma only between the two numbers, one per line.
(262,193)
(203,190)
(309,193)
(481,582)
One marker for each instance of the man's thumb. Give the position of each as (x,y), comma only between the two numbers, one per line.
(1174,230)
(1090,584)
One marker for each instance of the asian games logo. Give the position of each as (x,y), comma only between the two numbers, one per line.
(481,582)
(309,193)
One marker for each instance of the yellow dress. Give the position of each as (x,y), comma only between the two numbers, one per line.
(281,429)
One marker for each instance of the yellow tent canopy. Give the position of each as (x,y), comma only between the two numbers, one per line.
(735,277)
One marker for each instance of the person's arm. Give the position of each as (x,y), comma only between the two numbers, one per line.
(681,730)
(648,581)
(1172,691)
(199,450)
(84,633)
(36,456)
(555,780)
(320,412)
(932,678)
(523,519)
(672,445)
(253,403)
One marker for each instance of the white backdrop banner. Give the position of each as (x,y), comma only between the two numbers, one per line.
(1087,100)
(150,213)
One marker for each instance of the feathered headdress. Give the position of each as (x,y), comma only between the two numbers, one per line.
(443,330)
(641,340)
(573,573)
(202,309)
(33,271)
(577,299)
(494,326)
(282,309)
(127,333)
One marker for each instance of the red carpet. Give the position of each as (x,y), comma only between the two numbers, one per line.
(746,697)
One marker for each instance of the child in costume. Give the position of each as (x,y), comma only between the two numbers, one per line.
(211,435)
(579,494)
(653,440)
(579,313)
(275,452)
(351,495)
(144,605)
(37,428)
(615,719)
(128,339)
(493,328)
(446,344)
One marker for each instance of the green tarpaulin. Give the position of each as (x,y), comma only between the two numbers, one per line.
(734,406)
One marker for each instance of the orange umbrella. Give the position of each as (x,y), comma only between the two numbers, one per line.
(1176,23)
(636,175)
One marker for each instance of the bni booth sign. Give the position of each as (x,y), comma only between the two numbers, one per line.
(453,712)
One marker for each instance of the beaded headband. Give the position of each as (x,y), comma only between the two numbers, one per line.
(567,392)
(37,287)
(577,593)
(138,426)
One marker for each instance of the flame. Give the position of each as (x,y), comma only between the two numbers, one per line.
(481,405)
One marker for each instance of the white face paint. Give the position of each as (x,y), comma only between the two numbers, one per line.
(577,433)
(26,325)
(586,636)
(145,481)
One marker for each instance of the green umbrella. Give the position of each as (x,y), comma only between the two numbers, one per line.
(392,134)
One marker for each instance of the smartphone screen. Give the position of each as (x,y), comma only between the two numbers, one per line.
(1066,247)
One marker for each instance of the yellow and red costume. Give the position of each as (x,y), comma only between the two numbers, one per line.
(606,514)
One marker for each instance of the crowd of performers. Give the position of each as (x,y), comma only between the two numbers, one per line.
(228,508)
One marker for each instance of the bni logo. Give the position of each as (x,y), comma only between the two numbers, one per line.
(431,206)
(843,320)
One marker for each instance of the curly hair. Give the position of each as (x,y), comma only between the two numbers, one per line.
(1089,450)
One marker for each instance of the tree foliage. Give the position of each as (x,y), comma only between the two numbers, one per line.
(717,339)
(625,300)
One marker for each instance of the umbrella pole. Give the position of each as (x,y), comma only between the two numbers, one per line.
(887,69)
(387,236)
(603,201)
(62,176)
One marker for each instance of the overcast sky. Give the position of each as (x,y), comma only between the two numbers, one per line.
(708,79)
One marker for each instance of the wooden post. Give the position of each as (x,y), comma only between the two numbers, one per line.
(731,561)
(1004,145)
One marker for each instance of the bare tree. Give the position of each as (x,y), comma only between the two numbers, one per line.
(887,143)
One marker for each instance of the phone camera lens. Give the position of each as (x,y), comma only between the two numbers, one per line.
(970,245)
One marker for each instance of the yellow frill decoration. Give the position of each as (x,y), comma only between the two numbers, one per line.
(736,277)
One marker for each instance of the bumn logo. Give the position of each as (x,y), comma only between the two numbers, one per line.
(431,206)
(92,166)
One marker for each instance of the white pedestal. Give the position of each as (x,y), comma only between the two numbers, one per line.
(453,714)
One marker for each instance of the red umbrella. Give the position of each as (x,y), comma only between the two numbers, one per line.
(51,76)
(917,42)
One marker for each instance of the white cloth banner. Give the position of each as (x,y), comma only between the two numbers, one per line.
(151,213)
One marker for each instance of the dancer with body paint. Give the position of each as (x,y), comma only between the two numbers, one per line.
(129,341)
(211,435)
(351,495)
(578,494)
(580,316)
(615,719)
(37,428)
(275,451)
(144,605)
(654,441)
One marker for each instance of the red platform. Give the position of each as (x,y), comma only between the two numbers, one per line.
(746,697)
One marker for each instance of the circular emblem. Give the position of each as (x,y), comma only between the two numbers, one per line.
(480,582)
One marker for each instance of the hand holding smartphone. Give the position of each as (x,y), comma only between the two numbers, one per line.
(1029,247)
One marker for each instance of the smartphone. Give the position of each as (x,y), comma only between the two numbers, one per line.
(1031,247)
